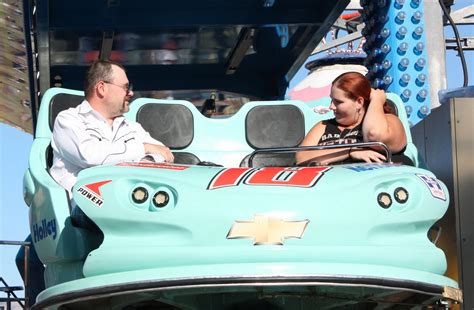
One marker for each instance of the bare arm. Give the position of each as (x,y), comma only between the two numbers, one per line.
(324,157)
(382,127)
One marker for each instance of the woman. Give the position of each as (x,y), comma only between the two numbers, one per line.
(361,115)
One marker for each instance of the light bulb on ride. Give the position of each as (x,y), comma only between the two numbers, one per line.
(417,32)
(416,18)
(420,64)
(422,94)
(415,3)
(377,83)
(385,48)
(423,111)
(388,79)
(402,48)
(418,49)
(406,94)
(399,4)
(400,18)
(405,79)
(386,64)
(377,68)
(384,33)
(402,32)
(420,79)
(404,63)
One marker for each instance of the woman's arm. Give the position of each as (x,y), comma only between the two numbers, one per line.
(324,157)
(378,126)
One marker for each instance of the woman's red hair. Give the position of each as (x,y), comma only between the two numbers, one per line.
(355,85)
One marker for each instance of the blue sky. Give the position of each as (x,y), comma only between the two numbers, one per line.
(15,147)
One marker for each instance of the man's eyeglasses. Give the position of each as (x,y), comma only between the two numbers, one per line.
(127,87)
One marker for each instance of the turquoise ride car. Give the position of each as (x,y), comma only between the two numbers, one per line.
(213,232)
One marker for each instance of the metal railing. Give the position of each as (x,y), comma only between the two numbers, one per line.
(10,290)
(285,150)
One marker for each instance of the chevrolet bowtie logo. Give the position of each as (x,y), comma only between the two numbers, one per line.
(267,230)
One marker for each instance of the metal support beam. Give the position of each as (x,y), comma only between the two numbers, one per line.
(31,60)
(42,45)
(317,37)
(240,49)
(464,16)
(106,45)
(436,55)
(467,44)
(340,41)
(67,17)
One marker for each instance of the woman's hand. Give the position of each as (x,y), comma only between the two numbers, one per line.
(377,96)
(369,156)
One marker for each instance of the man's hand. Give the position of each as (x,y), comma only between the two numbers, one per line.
(369,156)
(159,149)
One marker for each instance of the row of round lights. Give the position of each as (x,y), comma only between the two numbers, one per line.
(160,198)
(402,69)
(384,199)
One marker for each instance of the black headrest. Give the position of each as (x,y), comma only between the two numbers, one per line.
(392,107)
(274,126)
(171,124)
(61,102)
(185,158)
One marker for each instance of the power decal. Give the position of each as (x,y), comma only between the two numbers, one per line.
(92,192)
(270,176)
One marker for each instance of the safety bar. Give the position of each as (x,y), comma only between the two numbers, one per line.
(285,150)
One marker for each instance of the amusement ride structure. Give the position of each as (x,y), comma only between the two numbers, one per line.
(234,223)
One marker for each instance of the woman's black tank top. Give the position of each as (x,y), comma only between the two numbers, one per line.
(333,135)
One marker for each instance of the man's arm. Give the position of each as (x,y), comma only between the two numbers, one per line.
(74,142)
(153,146)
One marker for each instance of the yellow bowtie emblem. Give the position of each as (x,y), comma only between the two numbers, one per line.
(267,230)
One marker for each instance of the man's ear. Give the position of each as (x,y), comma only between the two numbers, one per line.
(100,89)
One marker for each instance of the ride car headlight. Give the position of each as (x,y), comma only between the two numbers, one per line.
(139,195)
(161,199)
(384,200)
(401,195)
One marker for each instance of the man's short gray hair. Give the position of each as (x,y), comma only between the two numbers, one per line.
(100,70)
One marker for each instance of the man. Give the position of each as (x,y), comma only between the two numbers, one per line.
(96,132)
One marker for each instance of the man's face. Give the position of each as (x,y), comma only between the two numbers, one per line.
(118,96)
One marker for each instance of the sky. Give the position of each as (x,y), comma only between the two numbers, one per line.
(15,147)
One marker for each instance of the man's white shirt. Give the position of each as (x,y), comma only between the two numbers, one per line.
(82,138)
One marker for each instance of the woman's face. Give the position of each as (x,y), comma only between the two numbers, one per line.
(346,110)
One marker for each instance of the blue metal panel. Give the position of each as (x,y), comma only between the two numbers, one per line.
(397,58)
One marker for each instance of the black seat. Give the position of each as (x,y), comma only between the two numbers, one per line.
(270,126)
(61,102)
(172,124)
(58,103)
